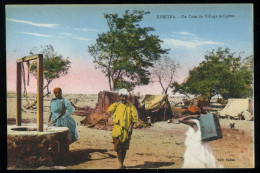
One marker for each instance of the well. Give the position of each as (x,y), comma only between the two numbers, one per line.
(34,145)
(29,148)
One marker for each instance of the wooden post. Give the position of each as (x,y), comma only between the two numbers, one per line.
(40,92)
(18,95)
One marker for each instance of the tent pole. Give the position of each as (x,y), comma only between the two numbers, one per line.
(164,114)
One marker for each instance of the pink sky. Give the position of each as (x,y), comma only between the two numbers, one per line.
(82,78)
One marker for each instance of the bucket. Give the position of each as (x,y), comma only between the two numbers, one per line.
(210,127)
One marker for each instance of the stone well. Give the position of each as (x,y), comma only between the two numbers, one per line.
(26,147)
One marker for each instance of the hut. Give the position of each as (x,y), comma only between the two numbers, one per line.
(100,119)
(156,107)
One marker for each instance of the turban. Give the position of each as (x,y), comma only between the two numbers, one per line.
(123,91)
(56,90)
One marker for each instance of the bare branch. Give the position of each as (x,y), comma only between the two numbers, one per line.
(164,71)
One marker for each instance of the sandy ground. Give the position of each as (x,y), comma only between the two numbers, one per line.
(160,146)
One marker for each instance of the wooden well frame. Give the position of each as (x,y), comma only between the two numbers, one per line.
(39,59)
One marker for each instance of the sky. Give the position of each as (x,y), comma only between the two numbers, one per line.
(189,31)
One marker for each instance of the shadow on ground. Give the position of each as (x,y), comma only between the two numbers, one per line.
(71,158)
(81,156)
(12,121)
(151,165)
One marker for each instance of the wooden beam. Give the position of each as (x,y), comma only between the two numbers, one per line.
(27,58)
(40,93)
(19,95)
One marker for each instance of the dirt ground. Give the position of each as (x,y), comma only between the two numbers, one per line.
(160,146)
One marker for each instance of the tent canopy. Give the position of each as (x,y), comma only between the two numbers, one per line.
(235,107)
(154,102)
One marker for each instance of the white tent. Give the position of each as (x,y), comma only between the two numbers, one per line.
(235,107)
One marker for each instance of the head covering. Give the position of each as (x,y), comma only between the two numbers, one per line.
(123,91)
(56,90)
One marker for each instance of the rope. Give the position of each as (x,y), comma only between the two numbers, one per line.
(24,80)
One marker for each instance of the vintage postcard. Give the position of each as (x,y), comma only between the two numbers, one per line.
(130,86)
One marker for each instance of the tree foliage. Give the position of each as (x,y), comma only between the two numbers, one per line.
(222,72)
(126,50)
(164,72)
(54,65)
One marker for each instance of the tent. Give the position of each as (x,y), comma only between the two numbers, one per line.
(157,107)
(237,108)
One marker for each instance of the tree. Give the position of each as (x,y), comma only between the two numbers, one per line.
(164,72)
(126,51)
(54,66)
(222,72)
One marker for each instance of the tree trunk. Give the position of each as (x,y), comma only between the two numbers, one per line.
(48,89)
(166,91)
(109,80)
